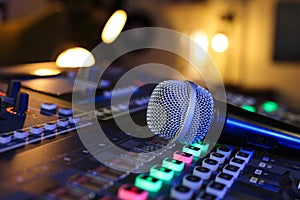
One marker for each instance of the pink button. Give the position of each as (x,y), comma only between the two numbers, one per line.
(128,192)
(183,157)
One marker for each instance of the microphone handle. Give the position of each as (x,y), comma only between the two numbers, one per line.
(240,122)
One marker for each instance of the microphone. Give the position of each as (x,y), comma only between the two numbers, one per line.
(186,112)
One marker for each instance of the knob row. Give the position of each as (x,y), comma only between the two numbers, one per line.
(37,130)
(50,109)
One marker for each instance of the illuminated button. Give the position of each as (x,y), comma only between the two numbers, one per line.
(36,130)
(238,162)
(63,122)
(107,93)
(258,172)
(85,151)
(146,100)
(115,109)
(119,91)
(270,106)
(141,101)
(206,196)
(218,157)
(253,180)
(224,178)
(249,108)
(192,181)
(74,120)
(132,88)
(181,192)
(65,111)
(217,189)
(123,106)
(129,192)
(107,111)
(67,159)
(243,156)
(162,173)
(99,112)
(210,163)
(4,139)
(262,164)
(247,150)
(266,158)
(182,156)
(172,164)
(203,146)
(232,170)
(50,126)
(20,134)
(226,151)
(202,172)
(195,151)
(148,183)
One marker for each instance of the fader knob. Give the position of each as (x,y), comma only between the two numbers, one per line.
(21,102)
(65,112)
(13,88)
(48,109)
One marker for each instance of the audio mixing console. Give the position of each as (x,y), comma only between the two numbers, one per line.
(42,156)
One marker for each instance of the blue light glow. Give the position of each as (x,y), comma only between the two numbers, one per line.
(263,131)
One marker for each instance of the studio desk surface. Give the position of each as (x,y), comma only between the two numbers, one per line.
(46,159)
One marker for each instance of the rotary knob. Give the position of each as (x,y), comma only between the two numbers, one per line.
(13,88)
(21,102)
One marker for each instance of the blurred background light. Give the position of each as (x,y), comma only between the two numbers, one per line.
(114,26)
(201,38)
(46,72)
(75,57)
(219,42)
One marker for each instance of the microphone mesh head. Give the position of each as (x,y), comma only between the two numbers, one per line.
(168,110)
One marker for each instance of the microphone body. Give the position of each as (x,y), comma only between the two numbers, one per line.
(186,112)
(241,122)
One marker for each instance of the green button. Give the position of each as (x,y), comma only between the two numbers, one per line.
(162,173)
(202,146)
(195,151)
(173,164)
(148,183)
(249,108)
(270,106)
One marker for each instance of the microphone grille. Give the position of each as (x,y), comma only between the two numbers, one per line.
(168,110)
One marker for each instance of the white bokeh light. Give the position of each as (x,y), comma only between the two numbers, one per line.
(219,43)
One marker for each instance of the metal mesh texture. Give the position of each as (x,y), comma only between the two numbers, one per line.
(168,109)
